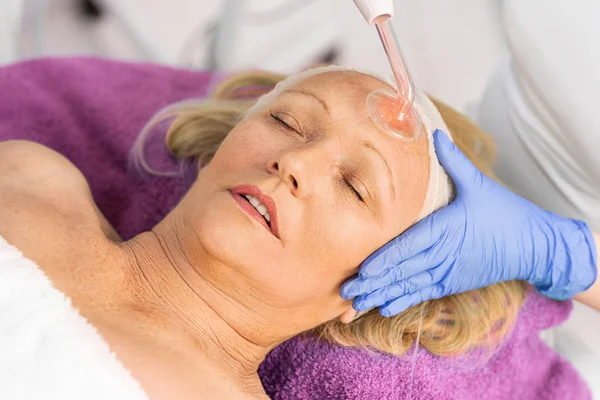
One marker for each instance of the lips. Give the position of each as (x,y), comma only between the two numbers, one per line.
(239,194)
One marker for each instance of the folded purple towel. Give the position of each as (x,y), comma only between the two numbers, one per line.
(523,368)
(91,111)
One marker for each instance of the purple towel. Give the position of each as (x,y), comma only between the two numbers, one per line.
(91,111)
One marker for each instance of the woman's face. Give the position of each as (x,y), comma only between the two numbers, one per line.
(340,188)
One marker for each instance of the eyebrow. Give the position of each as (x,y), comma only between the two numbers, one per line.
(310,93)
(374,149)
(366,144)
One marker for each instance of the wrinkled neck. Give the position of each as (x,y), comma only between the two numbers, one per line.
(171,288)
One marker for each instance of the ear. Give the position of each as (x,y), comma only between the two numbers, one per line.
(348,316)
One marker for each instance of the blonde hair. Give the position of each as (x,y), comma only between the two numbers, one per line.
(449,326)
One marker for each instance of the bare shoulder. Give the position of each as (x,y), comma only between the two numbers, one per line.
(26,165)
(44,200)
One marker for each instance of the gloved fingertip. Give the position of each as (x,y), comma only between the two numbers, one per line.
(350,289)
(439,134)
(359,305)
(387,312)
(345,296)
(371,270)
(456,164)
(441,138)
(441,141)
(346,292)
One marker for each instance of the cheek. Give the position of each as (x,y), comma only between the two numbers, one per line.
(249,145)
(328,249)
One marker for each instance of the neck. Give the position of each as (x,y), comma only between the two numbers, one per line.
(170,288)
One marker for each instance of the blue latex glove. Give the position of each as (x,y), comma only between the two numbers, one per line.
(487,235)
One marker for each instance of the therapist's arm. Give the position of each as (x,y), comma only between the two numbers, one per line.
(591,297)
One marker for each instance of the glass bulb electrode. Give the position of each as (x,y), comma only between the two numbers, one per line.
(393,111)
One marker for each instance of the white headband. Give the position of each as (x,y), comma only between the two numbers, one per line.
(439,187)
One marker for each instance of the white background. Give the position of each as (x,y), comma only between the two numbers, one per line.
(452,47)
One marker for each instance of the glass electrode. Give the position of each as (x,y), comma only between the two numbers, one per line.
(393,112)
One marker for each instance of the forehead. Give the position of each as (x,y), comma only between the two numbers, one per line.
(343,86)
(345,93)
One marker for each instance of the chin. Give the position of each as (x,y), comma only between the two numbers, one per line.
(231,238)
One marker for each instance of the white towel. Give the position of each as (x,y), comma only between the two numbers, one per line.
(47,349)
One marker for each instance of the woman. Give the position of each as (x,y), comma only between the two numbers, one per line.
(195,305)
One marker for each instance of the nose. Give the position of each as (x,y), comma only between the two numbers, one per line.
(296,169)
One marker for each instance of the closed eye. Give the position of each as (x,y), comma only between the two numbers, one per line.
(282,122)
(353,189)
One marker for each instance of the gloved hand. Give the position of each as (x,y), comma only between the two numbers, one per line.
(487,235)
